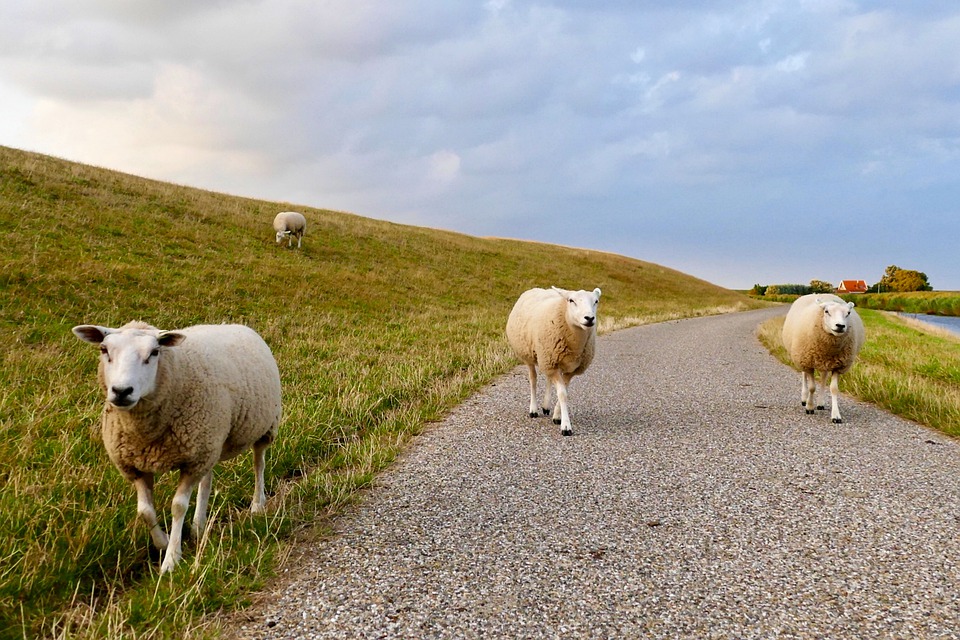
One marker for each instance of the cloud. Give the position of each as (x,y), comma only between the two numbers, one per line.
(681,128)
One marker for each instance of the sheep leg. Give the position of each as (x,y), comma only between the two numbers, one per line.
(547,398)
(808,392)
(203,498)
(823,383)
(532,377)
(834,392)
(181,501)
(146,511)
(259,503)
(560,381)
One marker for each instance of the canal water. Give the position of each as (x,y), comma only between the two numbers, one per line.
(951,323)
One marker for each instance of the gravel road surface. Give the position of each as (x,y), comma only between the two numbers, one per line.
(695,500)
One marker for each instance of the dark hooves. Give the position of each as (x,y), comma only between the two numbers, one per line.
(803,403)
(546,412)
(809,412)
(838,421)
(820,407)
(566,432)
(555,421)
(534,415)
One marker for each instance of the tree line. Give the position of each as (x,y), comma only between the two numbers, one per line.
(894,279)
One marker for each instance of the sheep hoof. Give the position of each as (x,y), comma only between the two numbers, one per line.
(555,421)
(534,414)
(803,403)
(838,421)
(809,412)
(566,432)
(820,407)
(546,412)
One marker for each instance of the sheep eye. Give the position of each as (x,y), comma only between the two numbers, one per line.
(153,354)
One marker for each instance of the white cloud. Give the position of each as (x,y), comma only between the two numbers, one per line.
(495,116)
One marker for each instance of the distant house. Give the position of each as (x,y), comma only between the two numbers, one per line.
(852,286)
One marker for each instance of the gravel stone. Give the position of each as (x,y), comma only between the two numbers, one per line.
(695,500)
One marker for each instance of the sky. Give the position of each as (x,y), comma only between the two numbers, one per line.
(739,141)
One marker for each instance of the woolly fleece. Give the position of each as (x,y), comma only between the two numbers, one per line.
(292,222)
(217,393)
(810,346)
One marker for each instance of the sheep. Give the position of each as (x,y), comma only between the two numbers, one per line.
(554,330)
(184,400)
(822,333)
(289,224)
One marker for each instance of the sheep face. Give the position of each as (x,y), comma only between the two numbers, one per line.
(581,307)
(835,316)
(128,360)
(282,234)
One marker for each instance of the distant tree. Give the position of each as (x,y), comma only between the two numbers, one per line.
(819,286)
(758,290)
(787,290)
(901,280)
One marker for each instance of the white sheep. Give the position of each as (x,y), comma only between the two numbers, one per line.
(822,333)
(554,330)
(184,400)
(290,224)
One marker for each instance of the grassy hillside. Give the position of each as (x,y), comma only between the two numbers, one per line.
(378,329)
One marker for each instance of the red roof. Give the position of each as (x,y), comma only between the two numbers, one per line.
(852,286)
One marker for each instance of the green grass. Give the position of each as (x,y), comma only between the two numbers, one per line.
(942,303)
(378,329)
(910,370)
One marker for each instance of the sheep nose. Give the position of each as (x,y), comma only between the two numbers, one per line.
(588,320)
(121,395)
(840,328)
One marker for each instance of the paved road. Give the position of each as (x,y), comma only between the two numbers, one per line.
(695,500)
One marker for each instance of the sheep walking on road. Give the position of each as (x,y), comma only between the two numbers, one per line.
(184,400)
(554,330)
(822,333)
(290,225)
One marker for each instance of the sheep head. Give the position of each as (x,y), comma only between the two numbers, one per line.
(581,307)
(128,359)
(834,317)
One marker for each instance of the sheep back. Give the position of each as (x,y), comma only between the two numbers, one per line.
(216,394)
(539,334)
(810,346)
(289,221)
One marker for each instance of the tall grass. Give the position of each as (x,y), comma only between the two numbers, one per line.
(378,329)
(903,367)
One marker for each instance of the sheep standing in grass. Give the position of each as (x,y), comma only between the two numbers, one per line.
(290,224)
(554,330)
(822,333)
(184,400)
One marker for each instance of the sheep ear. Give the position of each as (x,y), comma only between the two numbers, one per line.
(850,305)
(562,292)
(91,333)
(596,292)
(170,338)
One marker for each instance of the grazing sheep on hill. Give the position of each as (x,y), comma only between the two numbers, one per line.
(290,224)
(184,400)
(822,333)
(554,330)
